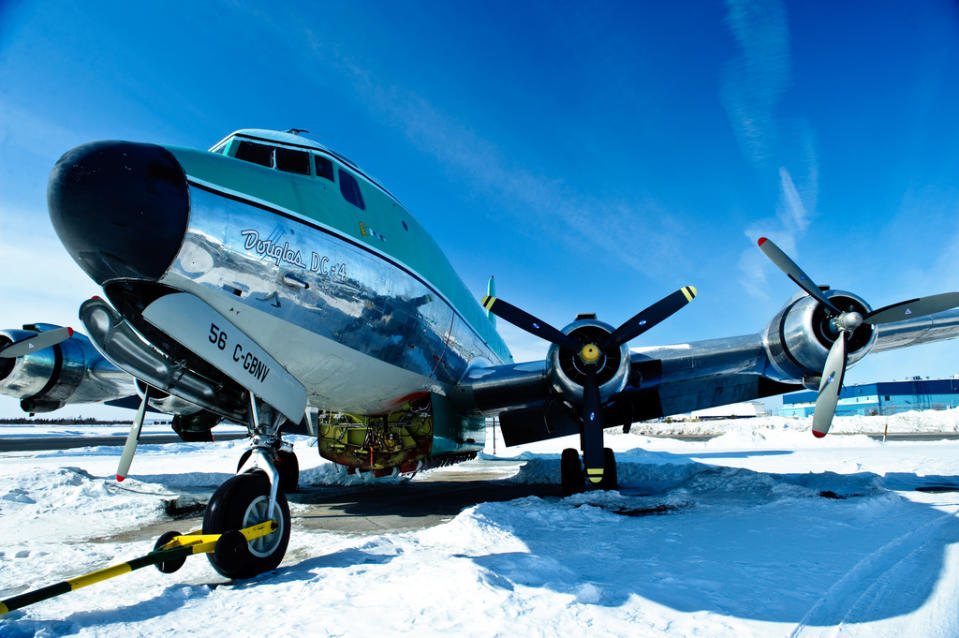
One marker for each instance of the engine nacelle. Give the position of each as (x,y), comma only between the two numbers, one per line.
(566,372)
(69,372)
(798,338)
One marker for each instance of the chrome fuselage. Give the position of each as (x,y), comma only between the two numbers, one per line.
(328,273)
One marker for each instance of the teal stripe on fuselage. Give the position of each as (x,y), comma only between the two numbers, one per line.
(320,200)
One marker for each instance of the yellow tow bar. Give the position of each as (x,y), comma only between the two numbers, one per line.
(167,558)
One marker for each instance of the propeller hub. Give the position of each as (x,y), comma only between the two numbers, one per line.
(848,321)
(590,353)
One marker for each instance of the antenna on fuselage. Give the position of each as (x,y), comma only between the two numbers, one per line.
(297,131)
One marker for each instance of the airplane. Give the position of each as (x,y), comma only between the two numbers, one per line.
(270,281)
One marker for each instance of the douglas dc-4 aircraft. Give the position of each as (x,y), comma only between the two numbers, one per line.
(270,281)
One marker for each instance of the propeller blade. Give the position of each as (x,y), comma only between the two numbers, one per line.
(593,455)
(794,272)
(130,447)
(36,342)
(913,308)
(649,317)
(528,322)
(829,387)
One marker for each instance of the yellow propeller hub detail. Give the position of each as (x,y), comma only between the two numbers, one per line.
(590,353)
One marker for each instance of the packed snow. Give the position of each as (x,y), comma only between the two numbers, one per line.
(762,530)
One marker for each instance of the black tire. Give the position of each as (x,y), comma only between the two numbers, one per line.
(168,566)
(571,472)
(286,464)
(289,469)
(243,457)
(610,480)
(240,502)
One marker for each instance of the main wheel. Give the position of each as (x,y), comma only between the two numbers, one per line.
(240,502)
(286,464)
(289,469)
(571,472)
(609,481)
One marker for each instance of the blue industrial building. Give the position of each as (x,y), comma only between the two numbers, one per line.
(887,397)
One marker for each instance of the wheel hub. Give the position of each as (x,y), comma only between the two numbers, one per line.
(258,512)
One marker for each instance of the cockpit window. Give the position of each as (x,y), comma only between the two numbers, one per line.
(293,161)
(324,167)
(257,153)
(351,190)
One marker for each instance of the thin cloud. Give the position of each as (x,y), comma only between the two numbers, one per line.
(791,221)
(754,82)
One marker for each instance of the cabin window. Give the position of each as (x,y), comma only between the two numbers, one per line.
(293,161)
(351,190)
(324,167)
(257,153)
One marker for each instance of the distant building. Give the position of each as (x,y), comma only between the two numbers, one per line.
(888,397)
(732,411)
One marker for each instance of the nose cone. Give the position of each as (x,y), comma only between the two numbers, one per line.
(121,209)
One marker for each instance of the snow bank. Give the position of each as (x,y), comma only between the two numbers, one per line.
(902,423)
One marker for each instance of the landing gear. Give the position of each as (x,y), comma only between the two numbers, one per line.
(571,472)
(242,501)
(572,478)
(254,495)
(609,481)
(286,464)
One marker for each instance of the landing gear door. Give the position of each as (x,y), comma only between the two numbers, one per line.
(210,335)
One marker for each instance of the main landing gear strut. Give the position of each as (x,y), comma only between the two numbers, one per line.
(573,475)
(253,496)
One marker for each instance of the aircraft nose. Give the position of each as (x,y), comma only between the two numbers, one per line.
(120,208)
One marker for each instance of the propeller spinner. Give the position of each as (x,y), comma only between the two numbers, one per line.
(592,353)
(845,323)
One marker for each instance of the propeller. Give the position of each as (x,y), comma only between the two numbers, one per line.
(37,342)
(130,447)
(591,354)
(846,323)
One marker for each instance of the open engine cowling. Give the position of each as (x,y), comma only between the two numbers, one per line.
(798,338)
(566,371)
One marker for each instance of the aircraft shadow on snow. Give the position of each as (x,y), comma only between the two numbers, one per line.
(820,548)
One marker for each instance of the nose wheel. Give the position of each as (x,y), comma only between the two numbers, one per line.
(573,478)
(240,502)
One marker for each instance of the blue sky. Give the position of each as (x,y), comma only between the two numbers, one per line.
(592,156)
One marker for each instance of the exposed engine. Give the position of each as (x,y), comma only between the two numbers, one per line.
(69,372)
(798,338)
(401,439)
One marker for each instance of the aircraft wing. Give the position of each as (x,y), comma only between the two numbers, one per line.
(590,379)
(680,378)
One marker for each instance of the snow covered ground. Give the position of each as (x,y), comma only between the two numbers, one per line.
(762,531)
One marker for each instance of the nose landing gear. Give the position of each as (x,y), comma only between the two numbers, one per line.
(256,495)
